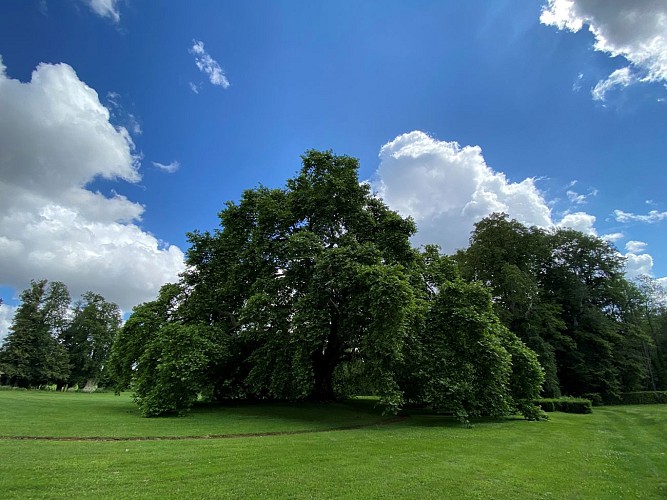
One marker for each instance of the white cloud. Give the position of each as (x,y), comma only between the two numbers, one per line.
(6,316)
(170,168)
(579,221)
(635,30)
(576,198)
(55,138)
(651,218)
(208,65)
(636,265)
(636,247)
(446,188)
(120,115)
(619,78)
(105,8)
(613,237)
(194,87)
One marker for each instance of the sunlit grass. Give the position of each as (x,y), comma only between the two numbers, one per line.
(41,413)
(617,452)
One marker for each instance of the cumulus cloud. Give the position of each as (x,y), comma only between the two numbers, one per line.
(207,65)
(637,261)
(170,168)
(55,138)
(6,316)
(105,8)
(651,218)
(635,30)
(638,264)
(579,221)
(634,246)
(446,188)
(613,237)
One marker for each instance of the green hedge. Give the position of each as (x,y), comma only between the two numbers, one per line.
(566,405)
(643,398)
(595,397)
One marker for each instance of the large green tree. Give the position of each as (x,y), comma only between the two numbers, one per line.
(311,291)
(31,354)
(294,283)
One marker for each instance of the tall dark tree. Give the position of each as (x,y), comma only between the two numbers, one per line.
(88,338)
(652,306)
(565,294)
(31,355)
(511,259)
(586,277)
(307,277)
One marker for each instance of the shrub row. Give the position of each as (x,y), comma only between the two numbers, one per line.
(566,405)
(643,398)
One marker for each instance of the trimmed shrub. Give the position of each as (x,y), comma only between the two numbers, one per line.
(643,398)
(595,397)
(566,405)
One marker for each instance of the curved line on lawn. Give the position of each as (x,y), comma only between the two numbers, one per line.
(207,436)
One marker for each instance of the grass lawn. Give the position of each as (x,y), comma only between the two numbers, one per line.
(617,452)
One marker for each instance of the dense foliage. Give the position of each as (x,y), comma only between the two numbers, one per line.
(565,294)
(52,343)
(312,291)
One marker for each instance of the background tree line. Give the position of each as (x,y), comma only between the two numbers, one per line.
(565,294)
(315,291)
(55,341)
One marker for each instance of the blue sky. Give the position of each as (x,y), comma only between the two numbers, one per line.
(125,124)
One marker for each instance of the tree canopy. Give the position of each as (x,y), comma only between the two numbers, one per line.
(311,291)
(565,294)
(52,343)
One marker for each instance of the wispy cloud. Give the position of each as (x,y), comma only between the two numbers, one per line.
(105,8)
(121,116)
(170,168)
(578,198)
(620,78)
(651,218)
(208,65)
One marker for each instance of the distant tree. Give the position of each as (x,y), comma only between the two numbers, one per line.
(167,363)
(652,305)
(88,338)
(565,294)
(31,355)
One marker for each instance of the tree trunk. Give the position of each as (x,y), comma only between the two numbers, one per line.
(325,362)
